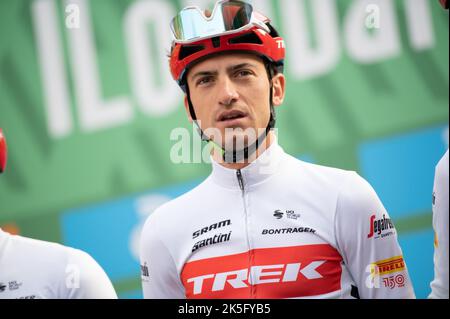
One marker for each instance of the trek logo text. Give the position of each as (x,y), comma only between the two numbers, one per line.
(282,272)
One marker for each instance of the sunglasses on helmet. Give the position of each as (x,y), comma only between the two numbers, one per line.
(228,16)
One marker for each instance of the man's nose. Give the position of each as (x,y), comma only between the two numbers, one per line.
(228,92)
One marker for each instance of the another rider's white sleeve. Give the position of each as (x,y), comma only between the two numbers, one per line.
(368,243)
(85,278)
(160,278)
(439,285)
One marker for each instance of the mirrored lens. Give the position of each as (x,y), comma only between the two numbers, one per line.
(187,24)
(236,14)
(190,23)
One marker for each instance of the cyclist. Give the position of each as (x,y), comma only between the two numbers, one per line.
(263,224)
(34,269)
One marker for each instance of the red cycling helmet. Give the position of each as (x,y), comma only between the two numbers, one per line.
(3,152)
(254,36)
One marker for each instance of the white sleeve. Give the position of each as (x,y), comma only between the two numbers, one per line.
(160,278)
(368,243)
(85,279)
(439,285)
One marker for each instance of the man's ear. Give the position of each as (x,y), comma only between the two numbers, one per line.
(279,89)
(186,107)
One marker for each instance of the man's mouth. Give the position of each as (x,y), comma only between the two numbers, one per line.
(229,116)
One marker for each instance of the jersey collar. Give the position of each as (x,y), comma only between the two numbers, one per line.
(260,170)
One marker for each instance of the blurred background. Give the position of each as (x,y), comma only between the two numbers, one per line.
(87,105)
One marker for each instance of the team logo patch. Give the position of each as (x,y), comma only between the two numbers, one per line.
(279,214)
(380,228)
(285,272)
(391,272)
(389,266)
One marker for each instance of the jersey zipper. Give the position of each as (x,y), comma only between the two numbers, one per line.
(247,233)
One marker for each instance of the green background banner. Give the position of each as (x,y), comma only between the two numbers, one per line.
(88,105)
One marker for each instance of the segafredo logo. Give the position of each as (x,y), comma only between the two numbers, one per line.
(382,227)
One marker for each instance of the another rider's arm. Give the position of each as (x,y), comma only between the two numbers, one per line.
(362,246)
(85,278)
(439,285)
(160,278)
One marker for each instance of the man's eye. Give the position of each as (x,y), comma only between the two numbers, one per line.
(243,73)
(204,80)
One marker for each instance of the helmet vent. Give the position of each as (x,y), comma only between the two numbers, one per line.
(187,50)
(246,38)
(216,42)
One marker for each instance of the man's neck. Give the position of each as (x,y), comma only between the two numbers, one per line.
(217,157)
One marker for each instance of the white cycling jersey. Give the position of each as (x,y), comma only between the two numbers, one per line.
(439,286)
(34,269)
(279,228)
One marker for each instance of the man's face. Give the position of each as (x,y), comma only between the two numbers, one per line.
(232,92)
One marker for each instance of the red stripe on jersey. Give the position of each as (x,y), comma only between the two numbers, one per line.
(284,272)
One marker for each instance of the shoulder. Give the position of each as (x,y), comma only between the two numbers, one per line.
(85,278)
(56,254)
(337,189)
(323,176)
(357,195)
(29,248)
(72,272)
(172,215)
(81,260)
(442,166)
(349,189)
